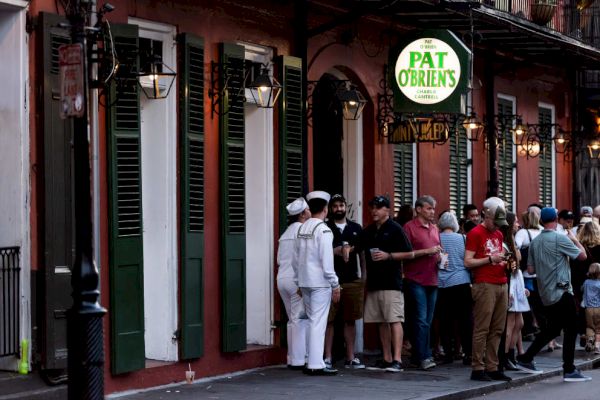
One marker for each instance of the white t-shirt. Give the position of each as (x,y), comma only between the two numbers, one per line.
(522,238)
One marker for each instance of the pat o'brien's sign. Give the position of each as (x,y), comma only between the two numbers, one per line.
(430,73)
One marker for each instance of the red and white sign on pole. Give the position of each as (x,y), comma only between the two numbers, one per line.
(72,98)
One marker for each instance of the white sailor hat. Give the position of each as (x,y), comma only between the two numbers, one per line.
(297,206)
(318,194)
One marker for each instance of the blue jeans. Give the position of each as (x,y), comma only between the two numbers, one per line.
(422,304)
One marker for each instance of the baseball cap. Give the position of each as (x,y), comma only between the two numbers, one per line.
(337,197)
(500,217)
(566,214)
(586,210)
(379,201)
(548,214)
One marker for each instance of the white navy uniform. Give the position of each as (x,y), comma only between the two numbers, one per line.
(297,323)
(316,277)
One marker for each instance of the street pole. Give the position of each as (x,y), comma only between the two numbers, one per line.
(84,334)
(490,101)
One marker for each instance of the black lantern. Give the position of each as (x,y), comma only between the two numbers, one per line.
(265,89)
(473,127)
(156,79)
(594,149)
(352,101)
(519,132)
(561,141)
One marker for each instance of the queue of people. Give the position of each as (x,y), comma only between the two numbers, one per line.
(482,279)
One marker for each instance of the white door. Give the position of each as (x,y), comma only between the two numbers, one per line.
(159,201)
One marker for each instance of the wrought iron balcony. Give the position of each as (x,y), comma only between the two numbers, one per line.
(579,19)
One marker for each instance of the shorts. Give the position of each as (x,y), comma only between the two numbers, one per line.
(351,304)
(384,306)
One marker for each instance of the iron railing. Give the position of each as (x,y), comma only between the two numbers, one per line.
(10,268)
(579,19)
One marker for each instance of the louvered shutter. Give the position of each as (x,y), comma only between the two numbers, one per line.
(233,207)
(59,243)
(191,124)
(505,157)
(403,175)
(291,121)
(125,207)
(458,170)
(545,160)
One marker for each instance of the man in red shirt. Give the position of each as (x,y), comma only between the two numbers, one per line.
(484,256)
(422,278)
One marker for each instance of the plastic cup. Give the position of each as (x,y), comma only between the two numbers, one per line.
(189,376)
(443,260)
(374,250)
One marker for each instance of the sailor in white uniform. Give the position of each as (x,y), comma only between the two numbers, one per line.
(316,278)
(288,289)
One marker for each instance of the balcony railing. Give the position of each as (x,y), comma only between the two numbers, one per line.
(579,19)
(10,268)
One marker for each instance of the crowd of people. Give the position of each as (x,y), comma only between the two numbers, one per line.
(471,288)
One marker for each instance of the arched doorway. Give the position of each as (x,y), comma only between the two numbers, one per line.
(337,146)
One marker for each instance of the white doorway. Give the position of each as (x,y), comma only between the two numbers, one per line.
(259,212)
(159,202)
(14,181)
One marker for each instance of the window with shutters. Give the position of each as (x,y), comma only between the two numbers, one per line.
(506,155)
(458,170)
(546,182)
(404,180)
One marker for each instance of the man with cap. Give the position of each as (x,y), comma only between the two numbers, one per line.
(386,245)
(585,216)
(316,278)
(484,256)
(549,254)
(294,307)
(347,253)
(565,221)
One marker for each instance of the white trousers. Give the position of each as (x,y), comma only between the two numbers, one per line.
(297,323)
(316,303)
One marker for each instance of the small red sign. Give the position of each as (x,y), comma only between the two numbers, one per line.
(72,96)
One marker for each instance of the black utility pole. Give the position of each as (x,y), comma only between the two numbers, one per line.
(84,337)
(490,123)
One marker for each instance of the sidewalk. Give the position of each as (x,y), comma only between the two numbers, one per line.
(443,382)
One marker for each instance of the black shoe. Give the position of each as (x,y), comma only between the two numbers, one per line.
(528,367)
(322,371)
(380,365)
(480,376)
(467,360)
(498,376)
(296,367)
(511,365)
(395,366)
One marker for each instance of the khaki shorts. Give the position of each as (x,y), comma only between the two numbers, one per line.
(384,306)
(351,304)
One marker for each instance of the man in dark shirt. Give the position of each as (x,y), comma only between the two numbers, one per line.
(385,245)
(347,251)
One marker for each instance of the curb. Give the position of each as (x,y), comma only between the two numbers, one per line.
(521,381)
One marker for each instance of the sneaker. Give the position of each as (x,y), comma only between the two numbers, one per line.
(395,366)
(328,363)
(589,346)
(528,367)
(380,365)
(576,376)
(498,376)
(323,371)
(511,366)
(480,376)
(354,364)
(427,364)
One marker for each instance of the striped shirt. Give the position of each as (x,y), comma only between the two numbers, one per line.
(456,273)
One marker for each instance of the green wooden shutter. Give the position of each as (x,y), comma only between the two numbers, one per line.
(545,163)
(458,170)
(59,243)
(233,193)
(505,156)
(125,208)
(291,120)
(403,175)
(191,124)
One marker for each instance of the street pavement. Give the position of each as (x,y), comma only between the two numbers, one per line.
(443,382)
(553,388)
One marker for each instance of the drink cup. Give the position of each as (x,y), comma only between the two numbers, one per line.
(374,250)
(189,376)
(443,260)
